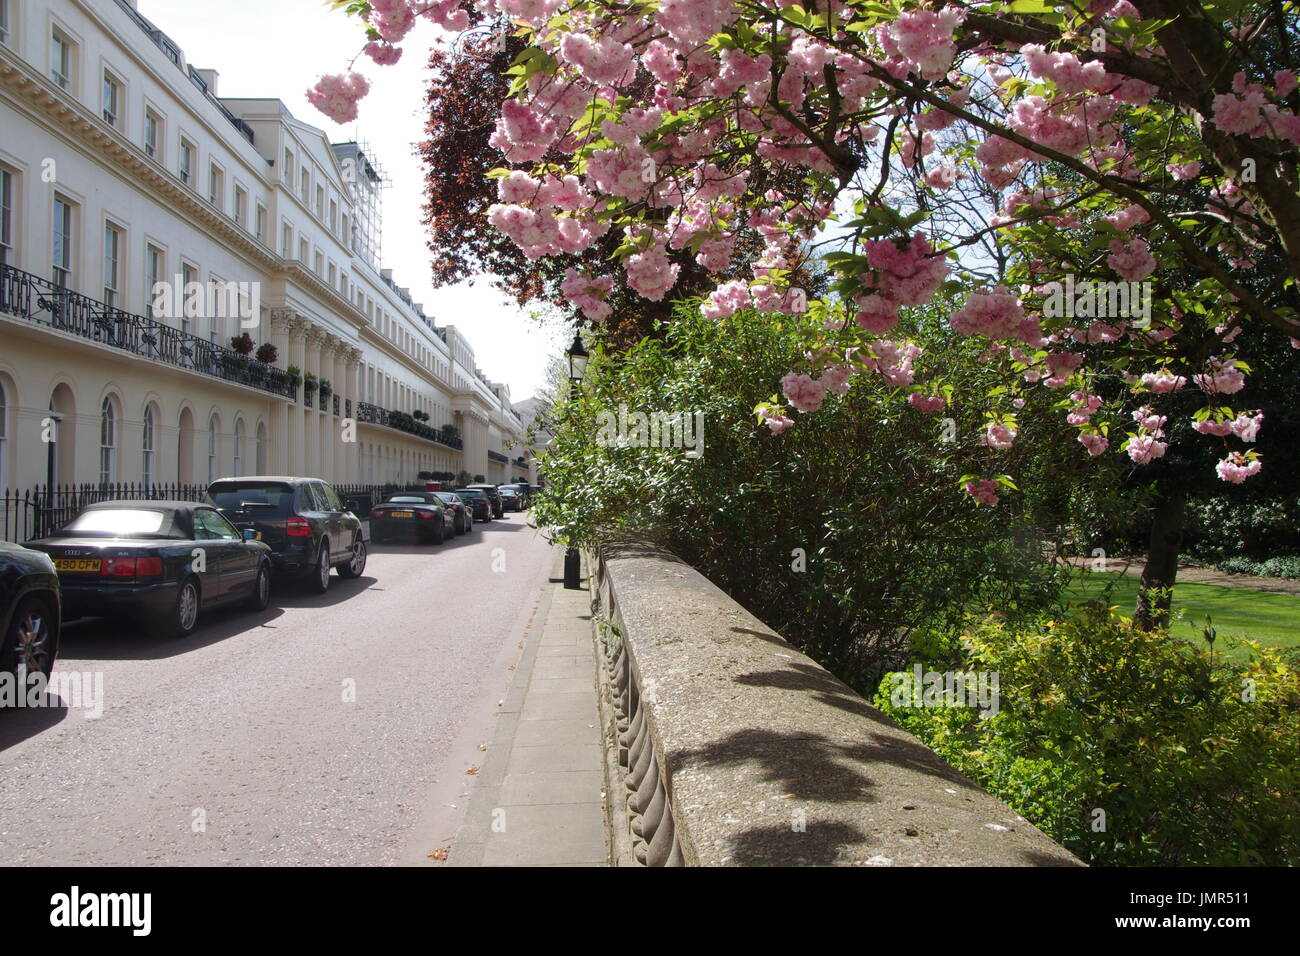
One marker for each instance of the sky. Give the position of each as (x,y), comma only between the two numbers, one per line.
(279,48)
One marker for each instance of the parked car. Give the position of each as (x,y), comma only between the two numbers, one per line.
(511,500)
(490,492)
(525,498)
(419,516)
(163,561)
(301,520)
(478,501)
(464,512)
(31,610)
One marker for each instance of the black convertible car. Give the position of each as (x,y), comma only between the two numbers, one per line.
(160,560)
(420,516)
(29,610)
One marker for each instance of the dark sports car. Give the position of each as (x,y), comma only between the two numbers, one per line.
(163,561)
(30,610)
(418,516)
(460,509)
(477,501)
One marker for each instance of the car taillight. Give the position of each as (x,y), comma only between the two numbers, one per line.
(297,527)
(131,567)
(428,514)
(379,514)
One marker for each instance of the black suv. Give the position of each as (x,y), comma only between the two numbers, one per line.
(494,498)
(302,520)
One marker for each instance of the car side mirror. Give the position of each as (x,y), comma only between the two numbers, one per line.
(250,534)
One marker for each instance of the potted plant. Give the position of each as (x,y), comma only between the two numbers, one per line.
(243,344)
(310,383)
(325,388)
(295,375)
(267,353)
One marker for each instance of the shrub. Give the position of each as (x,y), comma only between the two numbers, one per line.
(267,353)
(243,344)
(1192,759)
(1281,566)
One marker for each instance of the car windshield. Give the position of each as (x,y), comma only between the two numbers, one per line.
(407,501)
(468,493)
(448,499)
(123,522)
(263,497)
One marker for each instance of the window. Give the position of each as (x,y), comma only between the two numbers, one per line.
(333,272)
(303,250)
(239,445)
(187,163)
(6,214)
(211,526)
(216,186)
(189,276)
(213,282)
(320,264)
(107,442)
(334,216)
(214,426)
(150,436)
(306,187)
(288,168)
(112,99)
(112,263)
(154,269)
(4,427)
(286,240)
(241,206)
(320,202)
(260,223)
(152,134)
(61,60)
(63,238)
(4,27)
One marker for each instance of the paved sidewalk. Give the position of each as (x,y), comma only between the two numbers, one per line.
(539,797)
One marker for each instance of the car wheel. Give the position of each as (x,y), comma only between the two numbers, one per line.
(31,643)
(261,596)
(318,581)
(357,564)
(184,614)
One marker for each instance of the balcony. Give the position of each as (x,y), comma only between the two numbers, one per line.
(403,422)
(498,457)
(30,297)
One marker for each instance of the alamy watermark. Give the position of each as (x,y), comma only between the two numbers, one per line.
(1098,300)
(211,299)
(77,690)
(657,429)
(922,688)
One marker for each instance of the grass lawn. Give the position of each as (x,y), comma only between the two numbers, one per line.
(1271,619)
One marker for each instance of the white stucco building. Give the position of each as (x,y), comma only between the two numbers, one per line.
(121,167)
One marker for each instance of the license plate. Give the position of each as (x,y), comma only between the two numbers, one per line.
(77,564)
(402,514)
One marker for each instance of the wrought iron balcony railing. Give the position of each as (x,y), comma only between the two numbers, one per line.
(37,300)
(497,456)
(403,422)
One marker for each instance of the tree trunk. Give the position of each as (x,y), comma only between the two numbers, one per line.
(1161,569)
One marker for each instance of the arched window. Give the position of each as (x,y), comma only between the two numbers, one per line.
(214,427)
(239,448)
(147,471)
(107,442)
(261,448)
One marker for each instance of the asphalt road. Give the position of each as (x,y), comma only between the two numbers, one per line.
(331,729)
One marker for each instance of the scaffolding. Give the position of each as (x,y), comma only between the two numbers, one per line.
(366,180)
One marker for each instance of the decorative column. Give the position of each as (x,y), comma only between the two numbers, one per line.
(352,357)
(297,414)
(311,453)
(277,428)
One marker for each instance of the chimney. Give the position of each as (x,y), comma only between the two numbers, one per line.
(209,78)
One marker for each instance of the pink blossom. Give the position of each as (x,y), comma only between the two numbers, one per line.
(1144,449)
(1239,114)
(1095,442)
(336,96)
(921,41)
(1246,427)
(382,53)
(1133,260)
(999,436)
(1163,381)
(587,293)
(983,490)
(1184,171)
(1223,378)
(1236,468)
(776,421)
(1218,429)
(803,391)
(926,405)
(997,314)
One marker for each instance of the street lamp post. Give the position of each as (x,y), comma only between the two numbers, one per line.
(578,357)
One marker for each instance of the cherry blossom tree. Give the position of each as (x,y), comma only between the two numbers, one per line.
(1109,187)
